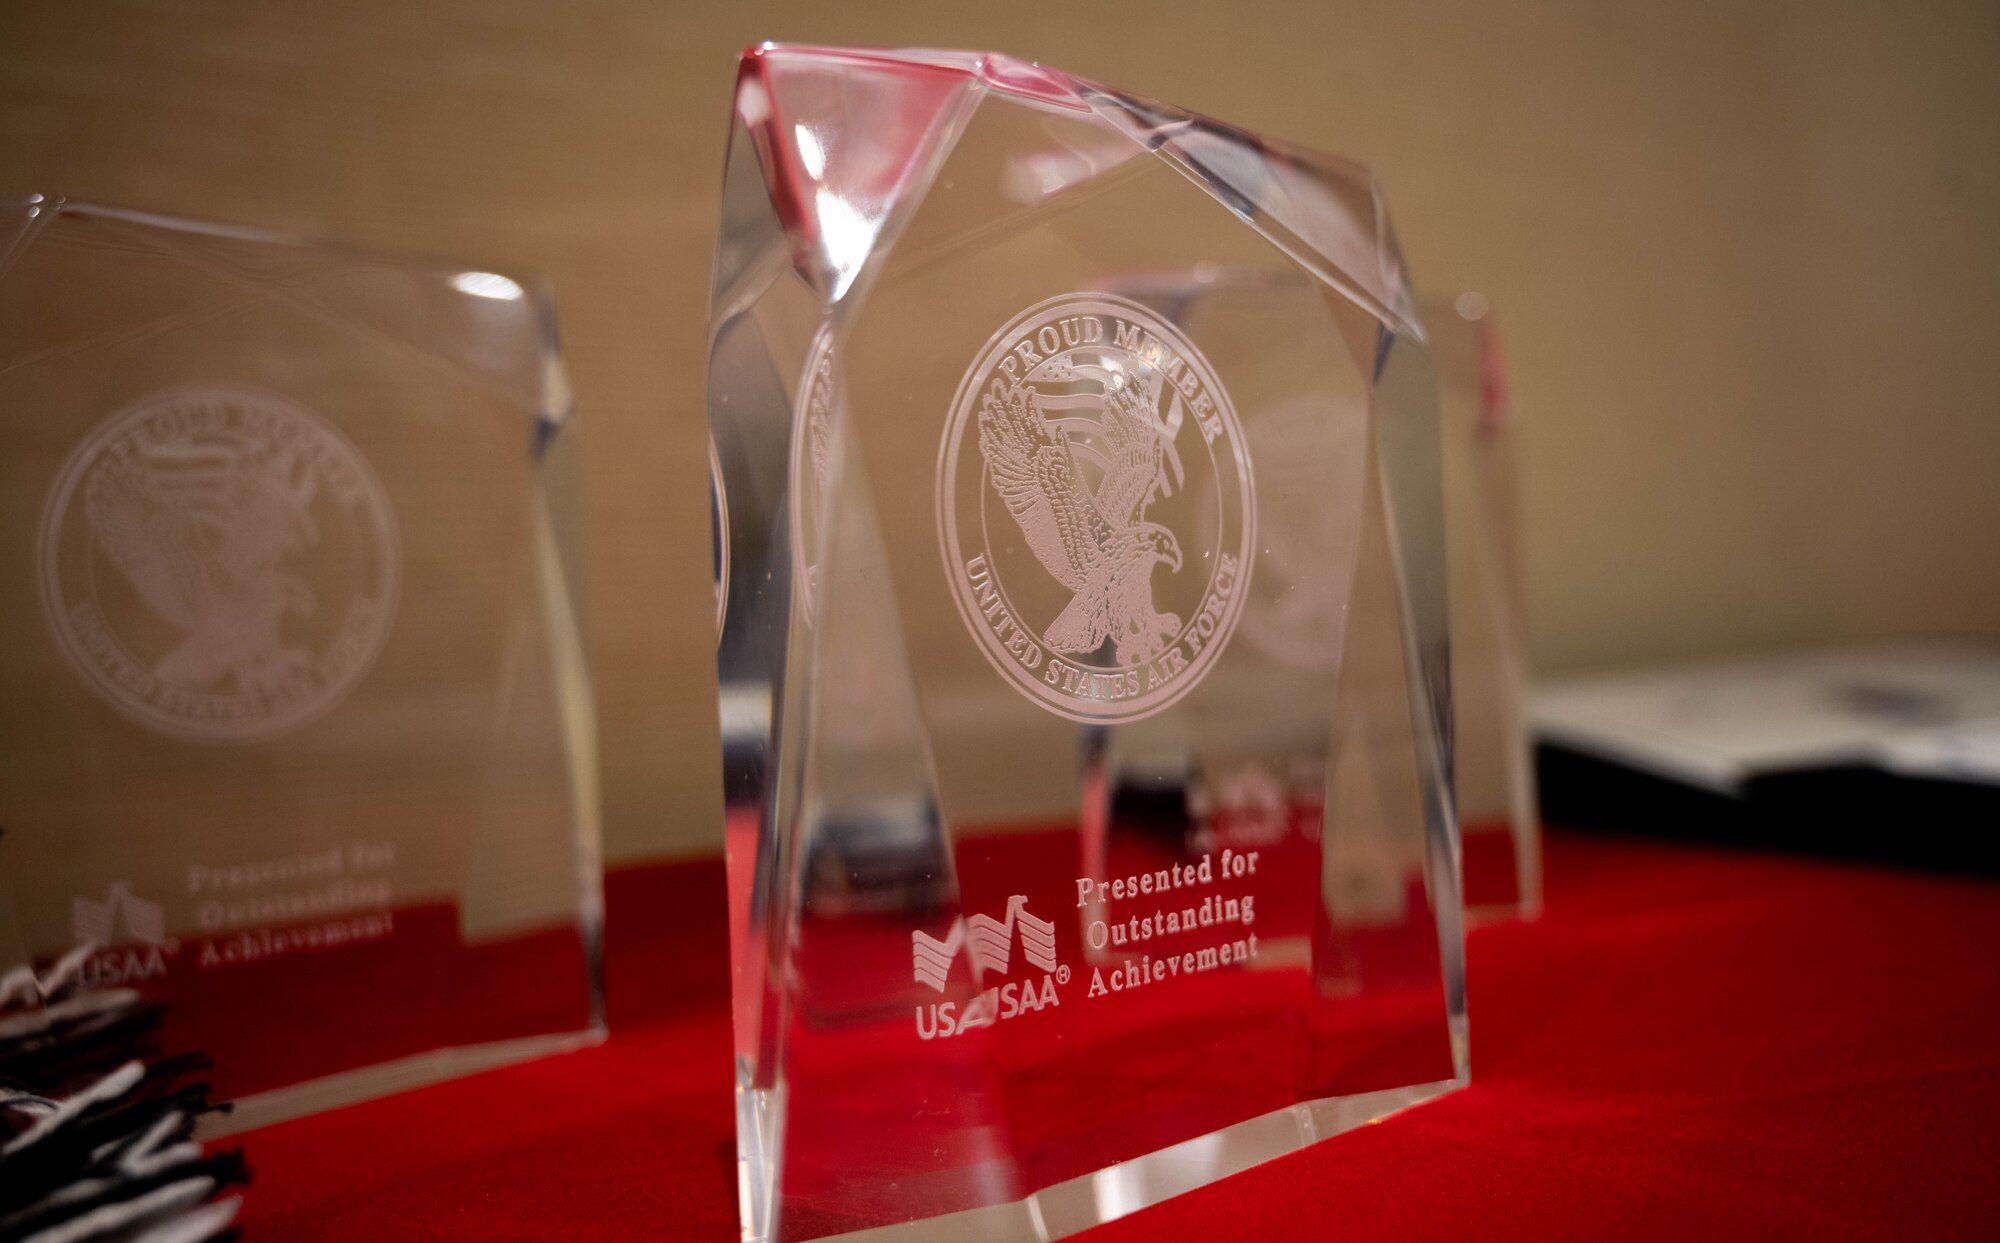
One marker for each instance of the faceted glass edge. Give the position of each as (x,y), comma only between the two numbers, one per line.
(1119,1190)
(1294,208)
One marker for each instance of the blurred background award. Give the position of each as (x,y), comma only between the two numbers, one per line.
(1084,680)
(294,734)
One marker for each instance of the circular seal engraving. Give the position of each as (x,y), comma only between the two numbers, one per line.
(1096,508)
(220,565)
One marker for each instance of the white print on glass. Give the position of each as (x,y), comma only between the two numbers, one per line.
(1180,937)
(123,939)
(220,565)
(987,941)
(1100,563)
(97,922)
(989,944)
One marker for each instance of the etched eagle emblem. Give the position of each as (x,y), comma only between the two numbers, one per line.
(202,530)
(1096,543)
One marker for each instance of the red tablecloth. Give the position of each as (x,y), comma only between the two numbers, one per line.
(1693,1042)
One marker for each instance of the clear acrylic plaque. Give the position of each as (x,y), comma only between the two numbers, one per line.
(294,726)
(1493,765)
(1084,672)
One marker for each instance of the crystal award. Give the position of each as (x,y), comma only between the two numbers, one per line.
(294,729)
(1492,758)
(1083,675)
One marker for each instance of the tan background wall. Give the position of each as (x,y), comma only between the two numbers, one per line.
(1743,254)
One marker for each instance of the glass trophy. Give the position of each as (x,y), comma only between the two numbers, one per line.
(294,727)
(1492,755)
(1084,673)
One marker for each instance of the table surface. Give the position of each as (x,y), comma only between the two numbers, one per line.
(1693,1041)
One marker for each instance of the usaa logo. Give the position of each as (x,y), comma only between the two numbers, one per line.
(989,944)
(146,947)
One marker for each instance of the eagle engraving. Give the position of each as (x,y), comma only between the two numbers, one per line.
(202,531)
(1097,544)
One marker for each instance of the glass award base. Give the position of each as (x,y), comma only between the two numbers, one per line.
(1084,657)
(294,728)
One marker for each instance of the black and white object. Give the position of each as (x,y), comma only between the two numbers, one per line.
(96,1129)
(1889,753)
